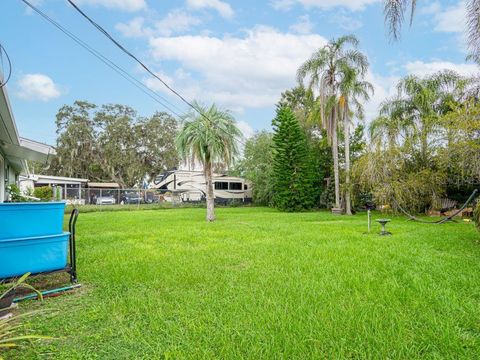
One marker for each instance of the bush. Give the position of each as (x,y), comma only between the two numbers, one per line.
(15,193)
(44,193)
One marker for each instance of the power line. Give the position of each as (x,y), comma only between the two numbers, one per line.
(3,51)
(122,72)
(121,47)
(126,51)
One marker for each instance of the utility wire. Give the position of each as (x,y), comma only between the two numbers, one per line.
(122,72)
(117,68)
(126,51)
(3,51)
(121,47)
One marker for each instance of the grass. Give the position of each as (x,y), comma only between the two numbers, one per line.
(262,284)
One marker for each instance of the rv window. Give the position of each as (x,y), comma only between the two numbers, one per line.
(235,186)
(221,185)
(245,187)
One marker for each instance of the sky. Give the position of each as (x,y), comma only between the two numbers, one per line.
(239,54)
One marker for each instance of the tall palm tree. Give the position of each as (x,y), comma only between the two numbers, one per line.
(325,70)
(414,113)
(393,123)
(353,91)
(394,12)
(210,137)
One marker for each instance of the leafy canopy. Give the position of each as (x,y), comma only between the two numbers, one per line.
(210,138)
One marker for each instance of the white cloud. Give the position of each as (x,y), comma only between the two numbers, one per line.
(282,4)
(432,8)
(236,72)
(246,129)
(449,19)
(303,26)
(452,19)
(384,87)
(346,22)
(134,28)
(37,87)
(176,21)
(223,8)
(126,5)
(421,68)
(36,3)
(354,5)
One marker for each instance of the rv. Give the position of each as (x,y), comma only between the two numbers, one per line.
(189,186)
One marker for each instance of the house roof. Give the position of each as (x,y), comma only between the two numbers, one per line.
(16,149)
(106,185)
(47,179)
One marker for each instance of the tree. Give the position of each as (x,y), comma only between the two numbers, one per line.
(353,90)
(292,170)
(394,12)
(111,143)
(76,142)
(305,108)
(425,137)
(301,101)
(209,137)
(413,115)
(156,143)
(325,70)
(257,167)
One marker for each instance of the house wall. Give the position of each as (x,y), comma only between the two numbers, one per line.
(2,178)
(7,176)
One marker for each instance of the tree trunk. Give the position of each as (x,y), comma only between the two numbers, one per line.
(335,161)
(210,194)
(348,204)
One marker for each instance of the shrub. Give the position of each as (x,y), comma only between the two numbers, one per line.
(44,193)
(15,193)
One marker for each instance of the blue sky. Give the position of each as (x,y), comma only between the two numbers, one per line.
(239,54)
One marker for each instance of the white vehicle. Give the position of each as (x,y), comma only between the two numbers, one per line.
(105,200)
(189,186)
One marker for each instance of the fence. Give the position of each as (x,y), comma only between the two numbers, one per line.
(101,196)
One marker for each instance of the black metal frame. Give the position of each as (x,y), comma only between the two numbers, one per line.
(71,267)
(73,247)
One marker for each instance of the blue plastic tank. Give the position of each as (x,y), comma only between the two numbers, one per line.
(32,238)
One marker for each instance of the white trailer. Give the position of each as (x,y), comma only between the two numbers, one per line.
(190,186)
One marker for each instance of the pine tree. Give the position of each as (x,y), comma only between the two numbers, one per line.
(293,174)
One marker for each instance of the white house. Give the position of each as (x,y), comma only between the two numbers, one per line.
(64,188)
(15,150)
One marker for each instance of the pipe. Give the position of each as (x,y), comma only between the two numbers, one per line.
(47,292)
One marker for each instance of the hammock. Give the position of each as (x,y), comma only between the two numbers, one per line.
(441,221)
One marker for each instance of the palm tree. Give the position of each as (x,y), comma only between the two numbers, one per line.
(394,12)
(209,136)
(325,69)
(414,113)
(353,90)
(393,123)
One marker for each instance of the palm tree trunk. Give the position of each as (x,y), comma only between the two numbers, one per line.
(346,124)
(210,194)
(335,160)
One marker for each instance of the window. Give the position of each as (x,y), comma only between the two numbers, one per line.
(221,185)
(235,186)
(245,187)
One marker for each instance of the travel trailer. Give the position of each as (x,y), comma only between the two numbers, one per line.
(189,186)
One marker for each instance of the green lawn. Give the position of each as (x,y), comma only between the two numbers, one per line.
(263,284)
